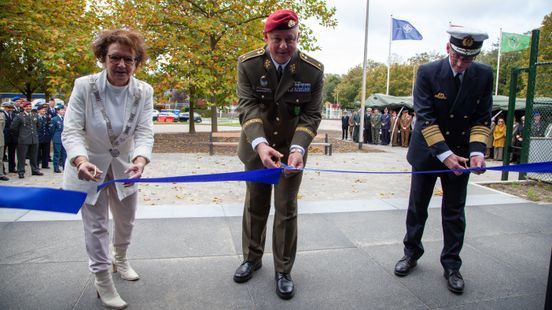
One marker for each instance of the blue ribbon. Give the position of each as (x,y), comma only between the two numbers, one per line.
(542,167)
(41,199)
(268,176)
(49,199)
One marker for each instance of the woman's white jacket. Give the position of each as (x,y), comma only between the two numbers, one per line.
(85,134)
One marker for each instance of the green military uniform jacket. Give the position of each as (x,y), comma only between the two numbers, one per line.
(25,127)
(285,113)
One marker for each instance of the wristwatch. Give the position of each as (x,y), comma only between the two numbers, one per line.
(296,150)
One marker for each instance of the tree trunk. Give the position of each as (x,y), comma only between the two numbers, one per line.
(191,111)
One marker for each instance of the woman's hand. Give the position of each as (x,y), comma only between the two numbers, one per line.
(135,170)
(87,171)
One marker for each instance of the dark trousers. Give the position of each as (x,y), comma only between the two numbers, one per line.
(284,231)
(344,133)
(385,136)
(22,151)
(59,156)
(452,215)
(368,134)
(44,154)
(11,149)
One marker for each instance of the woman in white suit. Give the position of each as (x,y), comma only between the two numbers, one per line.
(108,134)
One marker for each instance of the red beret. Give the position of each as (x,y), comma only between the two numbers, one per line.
(281,20)
(25,103)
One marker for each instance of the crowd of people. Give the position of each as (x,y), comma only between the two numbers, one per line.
(28,134)
(379,128)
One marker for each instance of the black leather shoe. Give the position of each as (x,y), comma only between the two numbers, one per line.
(404,266)
(455,282)
(284,285)
(245,271)
(37,173)
(46,167)
(21,175)
(57,171)
(4,178)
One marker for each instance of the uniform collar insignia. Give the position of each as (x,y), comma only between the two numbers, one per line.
(293,68)
(440,96)
(267,64)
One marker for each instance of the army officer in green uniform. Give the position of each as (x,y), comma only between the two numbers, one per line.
(280,101)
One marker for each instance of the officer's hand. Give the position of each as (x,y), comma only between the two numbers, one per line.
(269,156)
(295,160)
(87,171)
(479,162)
(455,162)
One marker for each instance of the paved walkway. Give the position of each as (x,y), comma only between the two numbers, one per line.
(187,243)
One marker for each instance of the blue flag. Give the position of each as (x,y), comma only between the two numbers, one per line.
(403,30)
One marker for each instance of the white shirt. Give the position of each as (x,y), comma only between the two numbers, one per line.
(115,98)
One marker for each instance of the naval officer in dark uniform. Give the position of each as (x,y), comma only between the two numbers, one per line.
(280,102)
(452,100)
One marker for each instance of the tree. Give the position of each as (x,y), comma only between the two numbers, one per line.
(42,48)
(330,83)
(196,43)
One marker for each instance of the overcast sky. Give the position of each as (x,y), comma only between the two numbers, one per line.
(343,47)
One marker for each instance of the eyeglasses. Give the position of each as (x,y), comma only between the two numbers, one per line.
(465,59)
(116,59)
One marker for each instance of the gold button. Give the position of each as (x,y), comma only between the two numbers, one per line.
(486,123)
(452,116)
(273,144)
(296,100)
(447,133)
(277,119)
(427,122)
(463,132)
(275,133)
(465,116)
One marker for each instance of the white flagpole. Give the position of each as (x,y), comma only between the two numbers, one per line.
(363,96)
(498,62)
(389,54)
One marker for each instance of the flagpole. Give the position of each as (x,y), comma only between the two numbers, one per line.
(389,54)
(363,96)
(498,62)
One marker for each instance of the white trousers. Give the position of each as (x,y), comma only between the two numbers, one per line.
(96,220)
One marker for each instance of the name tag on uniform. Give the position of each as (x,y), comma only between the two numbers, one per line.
(263,90)
(299,87)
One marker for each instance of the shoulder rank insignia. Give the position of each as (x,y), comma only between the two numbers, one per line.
(311,61)
(440,96)
(252,54)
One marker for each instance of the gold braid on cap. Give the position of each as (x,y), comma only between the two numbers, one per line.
(480,134)
(251,122)
(307,131)
(432,134)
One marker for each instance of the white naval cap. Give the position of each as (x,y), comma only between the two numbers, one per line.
(466,41)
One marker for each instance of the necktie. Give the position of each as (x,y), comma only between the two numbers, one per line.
(457,82)
(457,85)
(280,72)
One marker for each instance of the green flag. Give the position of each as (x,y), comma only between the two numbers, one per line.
(512,42)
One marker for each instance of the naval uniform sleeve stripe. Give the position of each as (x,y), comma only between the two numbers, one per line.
(307,131)
(251,122)
(432,134)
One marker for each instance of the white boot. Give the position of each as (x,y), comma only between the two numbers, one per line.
(121,265)
(106,291)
